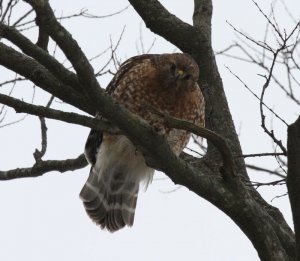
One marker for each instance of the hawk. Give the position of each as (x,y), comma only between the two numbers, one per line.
(165,82)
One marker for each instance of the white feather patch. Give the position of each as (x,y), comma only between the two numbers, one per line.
(121,153)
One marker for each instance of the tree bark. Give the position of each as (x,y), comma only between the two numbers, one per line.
(293,177)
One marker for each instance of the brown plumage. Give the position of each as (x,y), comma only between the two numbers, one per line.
(167,83)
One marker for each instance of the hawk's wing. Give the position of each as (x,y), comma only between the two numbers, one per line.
(94,139)
(110,193)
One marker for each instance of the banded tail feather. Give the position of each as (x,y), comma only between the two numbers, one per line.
(110,202)
(111,190)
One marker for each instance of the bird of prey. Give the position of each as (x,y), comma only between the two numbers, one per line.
(167,83)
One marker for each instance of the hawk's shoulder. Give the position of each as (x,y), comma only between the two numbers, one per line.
(126,67)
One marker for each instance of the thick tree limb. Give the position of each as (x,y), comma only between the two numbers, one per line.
(46,19)
(40,55)
(293,177)
(160,21)
(41,167)
(202,16)
(41,77)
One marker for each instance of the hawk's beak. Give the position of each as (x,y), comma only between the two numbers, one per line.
(178,74)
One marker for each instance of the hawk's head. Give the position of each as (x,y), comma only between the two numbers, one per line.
(177,71)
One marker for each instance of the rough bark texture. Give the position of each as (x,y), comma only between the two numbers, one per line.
(293,178)
(263,224)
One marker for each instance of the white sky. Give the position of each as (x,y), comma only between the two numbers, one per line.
(43,218)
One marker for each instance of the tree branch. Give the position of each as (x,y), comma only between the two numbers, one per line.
(38,154)
(41,167)
(293,177)
(69,117)
(261,103)
(43,38)
(260,155)
(228,169)
(202,16)
(41,77)
(40,55)
(272,172)
(46,19)
(160,21)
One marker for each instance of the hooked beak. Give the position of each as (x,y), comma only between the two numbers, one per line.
(178,74)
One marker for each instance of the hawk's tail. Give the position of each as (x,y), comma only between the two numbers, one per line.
(110,199)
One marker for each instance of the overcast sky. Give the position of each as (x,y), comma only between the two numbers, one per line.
(43,218)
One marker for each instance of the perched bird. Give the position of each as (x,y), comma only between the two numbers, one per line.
(165,82)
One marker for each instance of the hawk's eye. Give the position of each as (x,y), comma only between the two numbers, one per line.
(172,67)
(188,76)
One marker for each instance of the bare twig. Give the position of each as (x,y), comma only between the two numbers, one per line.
(256,96)
(269,21)
(280,164)
(261,103)
(22,18)
(12,122)
(226,49)
(16,79)
(38,154)
(272,183)
(272,172)
(84,13)
(170,191)
(8,6)
(262,45)
(194,151)
(280,196)
(113,55)
(259,155)
(151,46)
